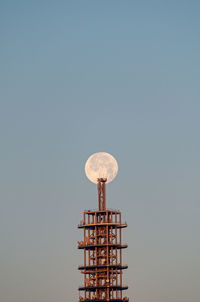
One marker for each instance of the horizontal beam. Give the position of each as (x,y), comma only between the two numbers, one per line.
(93,267)
(93,246)
(103,224)
(93,288)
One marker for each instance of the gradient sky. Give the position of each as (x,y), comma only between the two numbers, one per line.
(78,77)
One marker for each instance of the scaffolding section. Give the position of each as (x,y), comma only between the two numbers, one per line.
(102,246)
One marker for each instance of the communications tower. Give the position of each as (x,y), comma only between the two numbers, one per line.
(102,241)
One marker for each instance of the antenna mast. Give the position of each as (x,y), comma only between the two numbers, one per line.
(102,193)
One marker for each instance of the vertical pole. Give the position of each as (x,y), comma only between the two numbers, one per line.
(108,263)
(99,193)
(104,195)
(120,238)
(101,185)
(84,258)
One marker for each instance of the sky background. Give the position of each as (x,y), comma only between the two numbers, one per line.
(79,77)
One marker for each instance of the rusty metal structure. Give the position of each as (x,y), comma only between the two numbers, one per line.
(102,246)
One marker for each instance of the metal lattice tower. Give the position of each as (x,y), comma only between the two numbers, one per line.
(102,246)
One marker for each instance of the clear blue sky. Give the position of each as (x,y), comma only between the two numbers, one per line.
(78,77)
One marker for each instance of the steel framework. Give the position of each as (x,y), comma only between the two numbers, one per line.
(102,247)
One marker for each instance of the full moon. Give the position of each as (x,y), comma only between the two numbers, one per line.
(101,165)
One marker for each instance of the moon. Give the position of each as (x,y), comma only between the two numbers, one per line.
(101,165)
